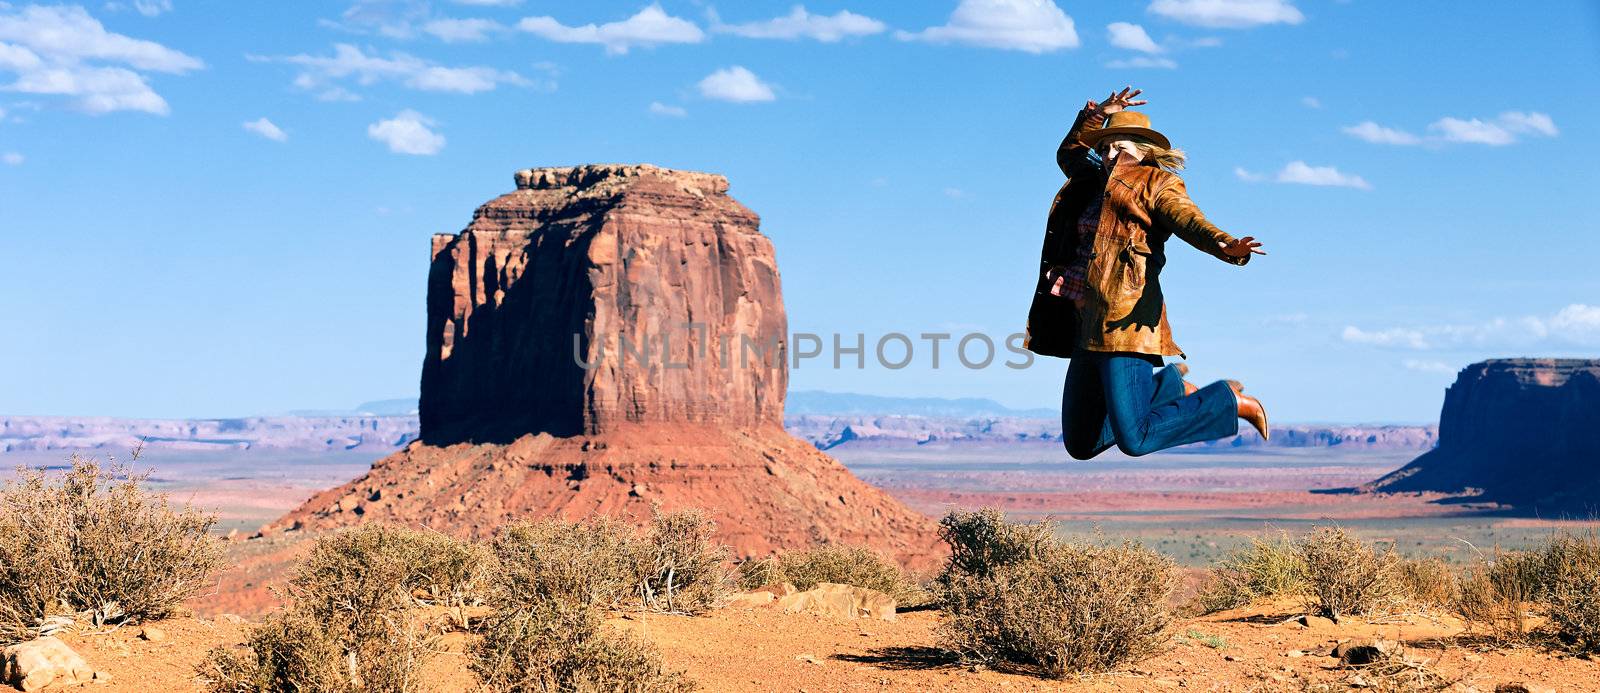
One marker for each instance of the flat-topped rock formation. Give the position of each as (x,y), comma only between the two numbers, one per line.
(1523,432)
(605,339)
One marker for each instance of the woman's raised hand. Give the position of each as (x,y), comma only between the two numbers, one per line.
(1241,247)
(1119,100)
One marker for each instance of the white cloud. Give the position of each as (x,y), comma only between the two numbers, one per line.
(1576,325)
(1131,37)
(650,27)
(1311,102)
(61,50)
(1503,130)
(488,3)
(802,24)
(391,18)
(265,128)
(1244,175)
(148,8)
(735,84)
(1302,173)
(1378,134)
(1228,14)
(661,109)
(1035,26)
(463,30)
(12,158)
(409,132)
(1393,337)
(955,193)
(1428,366)
(1139,61)
(321,73)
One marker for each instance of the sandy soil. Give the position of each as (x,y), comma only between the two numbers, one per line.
(1256,649)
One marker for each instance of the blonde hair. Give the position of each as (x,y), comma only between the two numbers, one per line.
(1170,159)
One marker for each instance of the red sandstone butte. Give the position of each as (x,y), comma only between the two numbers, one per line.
(598,265)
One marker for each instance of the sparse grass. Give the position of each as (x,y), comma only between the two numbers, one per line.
(1215,642)
(1344,575)
(848,565)
(350,624)
(683,569)
(551,645)
(1569,589)
(1426,582)
(95,542)
(1017,595)
(1264,569)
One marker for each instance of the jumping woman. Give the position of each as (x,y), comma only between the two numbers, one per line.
(1098,300)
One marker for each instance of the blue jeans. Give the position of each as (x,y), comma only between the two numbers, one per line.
(1114,398)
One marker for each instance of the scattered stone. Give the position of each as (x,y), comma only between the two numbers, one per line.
(153,634)
(1311,621)
(1520,687)
(1229,658)
(809,659)
(840,601)
(751,600)
(1352,655)
(1295,653)
(46,661)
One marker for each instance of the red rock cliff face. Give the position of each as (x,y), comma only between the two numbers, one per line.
(616,257)
(1524,432)
(657,279)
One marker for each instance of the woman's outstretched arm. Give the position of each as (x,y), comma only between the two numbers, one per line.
(1073,154)
(1176,213)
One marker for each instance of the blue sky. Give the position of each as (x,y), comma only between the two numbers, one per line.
(224,208)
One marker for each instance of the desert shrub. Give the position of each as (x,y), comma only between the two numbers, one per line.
(1568,592)
(982,541)
(1030,600)
(95,540)
(674,565)
(1491,596)
(1345,576)
(682,568)
(350,623)
(1264,569)
(296,650)
(1428,582)
(847,565)
(594,562)
(557,645)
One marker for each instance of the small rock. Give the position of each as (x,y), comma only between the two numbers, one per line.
(153,634)
(1311,621)
(1295,653)
(840,601)
(102,676)
(41,662)
(1520,687)
(809,659)
(751,600)
(232,618)
(1473,658)
(1229,658)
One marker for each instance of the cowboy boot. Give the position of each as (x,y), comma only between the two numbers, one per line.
(1250,410)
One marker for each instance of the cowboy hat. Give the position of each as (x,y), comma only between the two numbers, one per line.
(1126,123)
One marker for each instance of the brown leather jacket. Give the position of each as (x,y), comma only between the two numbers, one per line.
(1144,205)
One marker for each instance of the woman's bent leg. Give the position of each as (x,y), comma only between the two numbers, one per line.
(1145,422)
(1085,428)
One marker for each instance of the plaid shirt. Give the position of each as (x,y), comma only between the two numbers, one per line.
(1076,274)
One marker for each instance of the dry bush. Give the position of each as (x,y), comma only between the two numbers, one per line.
(1033,601)
(982,541)
(1345,576)
(555,645)
(1569,589)
(682,568)
(674,566)
(846,565)
(1491,596)
(96,541)
(350,624)
(592,562)
(1427,582)
(1261,570)
(296,650)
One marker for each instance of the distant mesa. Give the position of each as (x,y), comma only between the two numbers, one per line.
(605,339)
(1521,432)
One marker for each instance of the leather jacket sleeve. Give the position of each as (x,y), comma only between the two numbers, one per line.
(1175,213)
(1073,155)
